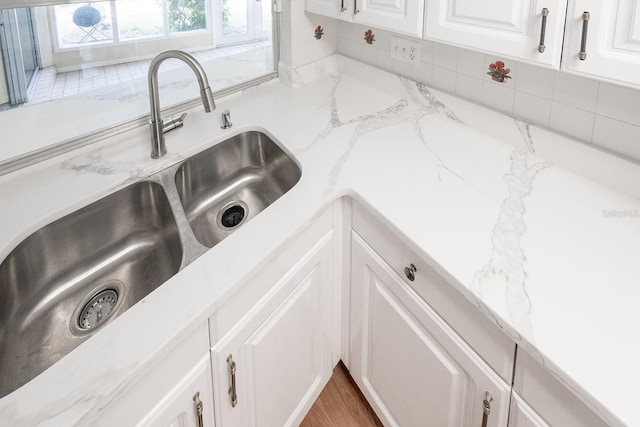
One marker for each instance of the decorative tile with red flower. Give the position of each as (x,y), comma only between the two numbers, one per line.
(498,72)
(318,32)
(369,37)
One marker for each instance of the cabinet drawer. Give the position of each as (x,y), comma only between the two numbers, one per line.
(474,327)
(549,398)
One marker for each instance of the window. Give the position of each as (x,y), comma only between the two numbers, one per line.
(112,22)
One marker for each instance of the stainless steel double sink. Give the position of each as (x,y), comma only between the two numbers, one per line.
(71,277)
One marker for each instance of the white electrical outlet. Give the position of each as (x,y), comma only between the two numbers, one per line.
(405,50)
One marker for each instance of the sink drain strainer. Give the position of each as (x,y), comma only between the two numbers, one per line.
(232,215)
(98,309)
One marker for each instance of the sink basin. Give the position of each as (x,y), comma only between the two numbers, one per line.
(226,185)
(73,276)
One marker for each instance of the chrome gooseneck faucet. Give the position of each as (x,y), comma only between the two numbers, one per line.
(157,126)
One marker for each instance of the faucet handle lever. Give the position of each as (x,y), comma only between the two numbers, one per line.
(174,123)
(226,120)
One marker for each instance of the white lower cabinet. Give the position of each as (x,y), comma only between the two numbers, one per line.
(273,363)
(411,366)
(162,393)
(541,399)
(522,415)
(188,404)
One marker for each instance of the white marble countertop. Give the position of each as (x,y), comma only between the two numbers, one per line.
(541,232)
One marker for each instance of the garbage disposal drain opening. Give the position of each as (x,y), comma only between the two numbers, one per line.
(98,309)
(232,216)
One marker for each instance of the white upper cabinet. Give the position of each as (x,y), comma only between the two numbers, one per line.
(399,16)
(339,9)
(611,33)
(527,30)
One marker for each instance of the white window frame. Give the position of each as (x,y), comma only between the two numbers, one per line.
(115,41)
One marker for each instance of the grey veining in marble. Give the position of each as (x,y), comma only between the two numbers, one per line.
(525,130)
(505,270)
(422,103)
(94,162)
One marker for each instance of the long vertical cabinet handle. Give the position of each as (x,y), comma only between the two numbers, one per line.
(583,42)
(355,7)
(232,389)
(198,402)
(342,8)
(543,29)
(486,408)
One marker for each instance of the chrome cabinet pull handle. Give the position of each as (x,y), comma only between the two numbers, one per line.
(232,389)
(198,402)
(543,29)
(410,272)
(486,408)
(583,43)
(355,7)
(342,8)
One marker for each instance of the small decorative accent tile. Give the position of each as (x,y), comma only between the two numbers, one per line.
(369,37)
(498,72)
(318,33)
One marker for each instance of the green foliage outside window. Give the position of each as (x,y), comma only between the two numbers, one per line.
(225,13)
(187,15)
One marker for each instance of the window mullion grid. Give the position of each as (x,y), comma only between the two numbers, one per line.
(114,22)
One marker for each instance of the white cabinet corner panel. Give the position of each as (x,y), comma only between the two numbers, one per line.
(603,40)
(527,30)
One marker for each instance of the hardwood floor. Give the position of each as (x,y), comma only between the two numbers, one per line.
(341,404)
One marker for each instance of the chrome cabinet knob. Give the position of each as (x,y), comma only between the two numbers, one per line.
(410,272)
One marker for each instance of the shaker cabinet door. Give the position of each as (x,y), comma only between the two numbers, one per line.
(273,364)
(410,365)
(527,30)
(603,40)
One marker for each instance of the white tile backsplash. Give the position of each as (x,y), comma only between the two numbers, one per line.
(572,121)
(422,73)
(497,95)
(598,112)
(617,136)
(536,81)
(445,56)
(619,102)
(470,63)
(444,79)
(532,108)
(575,91)
(426,51)
(469,87)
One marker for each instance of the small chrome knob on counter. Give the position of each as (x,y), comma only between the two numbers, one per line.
(226,120)
(410,272)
